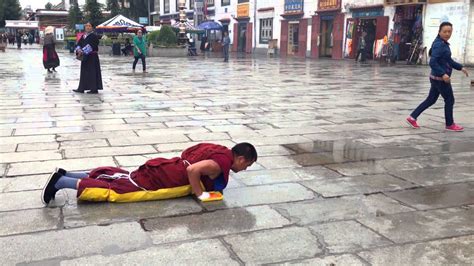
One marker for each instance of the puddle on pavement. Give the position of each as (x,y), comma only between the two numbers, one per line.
(324,152)
(228,220)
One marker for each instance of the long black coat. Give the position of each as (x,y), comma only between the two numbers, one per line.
(91,76)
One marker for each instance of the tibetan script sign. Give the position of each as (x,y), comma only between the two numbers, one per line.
(294,6)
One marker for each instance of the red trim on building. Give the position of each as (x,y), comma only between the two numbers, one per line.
(284,38)
(265,9)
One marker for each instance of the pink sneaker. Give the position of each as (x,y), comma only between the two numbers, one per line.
(455,128)
(412,122)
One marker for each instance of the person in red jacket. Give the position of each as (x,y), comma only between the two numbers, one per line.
(202,170)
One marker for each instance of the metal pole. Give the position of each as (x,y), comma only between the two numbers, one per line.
(149,20)
(254,25)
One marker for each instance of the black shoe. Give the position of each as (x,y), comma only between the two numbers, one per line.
(78,91)
(61,171)
(92,92)
(49,190)
(49,71)
(54,69)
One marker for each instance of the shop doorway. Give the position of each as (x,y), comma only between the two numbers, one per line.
(293,33)
(407,32)
(325,47)
(242,39)
(369,25)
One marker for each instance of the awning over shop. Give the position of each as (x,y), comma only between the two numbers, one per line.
(21,24)
(189,27)
(119,23)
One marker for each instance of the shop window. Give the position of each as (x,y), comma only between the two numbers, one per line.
(210,3)
(191,4)
(266,30)
(166,6)
(242,1)
(225,2)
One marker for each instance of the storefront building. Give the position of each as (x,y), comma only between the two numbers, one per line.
(460,14)
(294,29)
(243,28)
(267,25)
(327,30)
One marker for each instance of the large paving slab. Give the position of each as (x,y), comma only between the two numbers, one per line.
(28,221)
(218,223)
(347,236)
(257,195)
(438,175)
(28,168)
(274,245)
(346,259)
(452,251)
(363,184)
(440,196)
(175,254)
(427,225)
(22,183)
(73,243)
(344,208)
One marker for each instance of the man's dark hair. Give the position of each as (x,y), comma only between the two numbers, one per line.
(444,24)
(247,150)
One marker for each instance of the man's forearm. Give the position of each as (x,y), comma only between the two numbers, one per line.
(195,182)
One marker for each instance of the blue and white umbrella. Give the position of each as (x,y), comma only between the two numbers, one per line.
(210,25)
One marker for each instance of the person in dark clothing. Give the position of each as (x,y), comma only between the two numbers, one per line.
(225,46)
(203,43)
(442,66)
(18,40)
(87,49)
(50,57)
(361,47)
(127,47)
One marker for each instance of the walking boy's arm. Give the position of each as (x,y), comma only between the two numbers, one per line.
(203,168)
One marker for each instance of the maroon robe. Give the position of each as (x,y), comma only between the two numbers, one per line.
(164,173)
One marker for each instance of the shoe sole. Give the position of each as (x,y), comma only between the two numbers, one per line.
(450,130)
(406,121)
(46,185)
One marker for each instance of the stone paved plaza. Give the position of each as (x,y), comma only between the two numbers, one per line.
(340,179)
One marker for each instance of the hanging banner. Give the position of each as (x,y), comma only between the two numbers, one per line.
(198,7)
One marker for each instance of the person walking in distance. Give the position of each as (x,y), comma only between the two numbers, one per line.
(225,46)
(361,46)
(139,50)
(50,57)
(441,65)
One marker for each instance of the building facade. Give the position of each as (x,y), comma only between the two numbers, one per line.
(332,28)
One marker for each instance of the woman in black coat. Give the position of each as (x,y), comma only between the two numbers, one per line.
(87,50)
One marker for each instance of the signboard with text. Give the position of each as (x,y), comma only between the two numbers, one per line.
(329,4)
(243,10)
(294,6)
(198,7)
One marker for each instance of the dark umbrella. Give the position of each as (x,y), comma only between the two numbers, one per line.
(210,25)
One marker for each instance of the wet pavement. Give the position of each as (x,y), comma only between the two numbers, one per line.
(340,179)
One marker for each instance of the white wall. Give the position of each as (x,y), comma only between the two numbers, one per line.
(469,58)
(455,12)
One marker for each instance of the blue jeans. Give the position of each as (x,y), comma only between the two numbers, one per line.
(438,87)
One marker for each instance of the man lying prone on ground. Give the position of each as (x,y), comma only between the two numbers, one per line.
(202,170)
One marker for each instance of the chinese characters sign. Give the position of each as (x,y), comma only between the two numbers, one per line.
(243,10)
(329,4)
